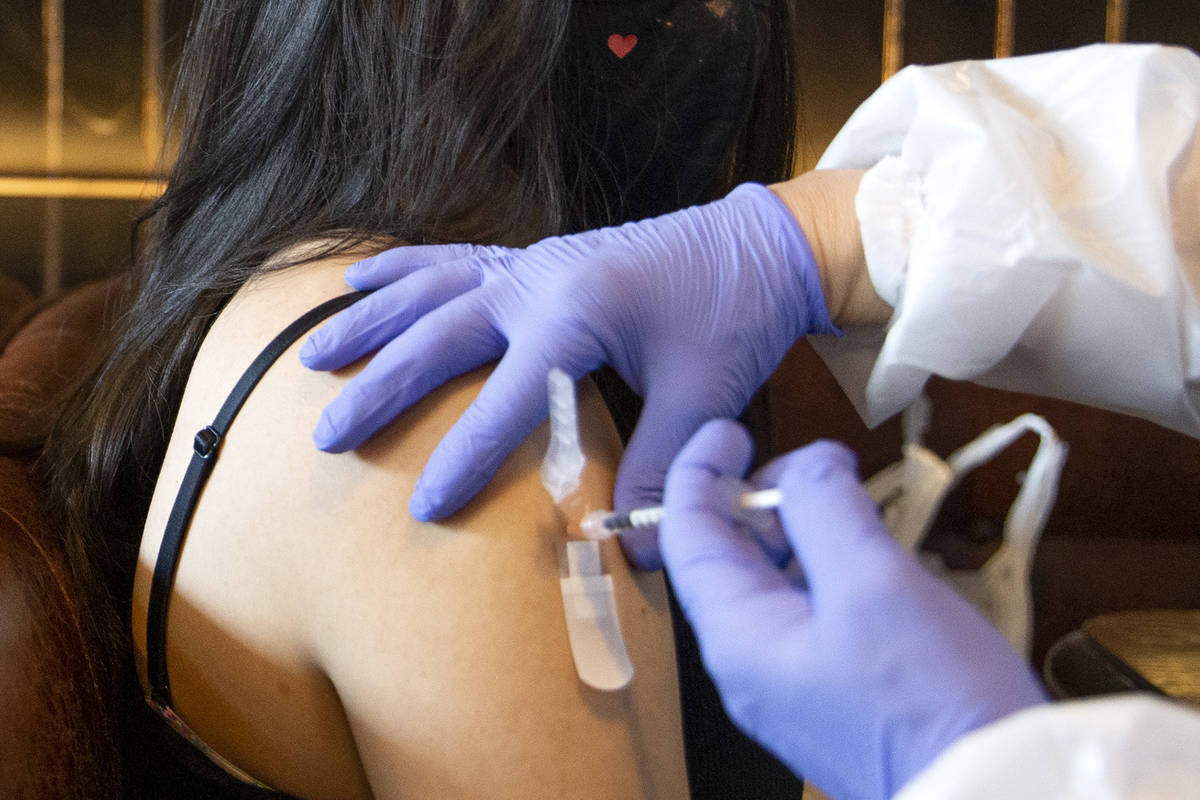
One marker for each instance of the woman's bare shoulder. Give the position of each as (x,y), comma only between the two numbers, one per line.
(435,655)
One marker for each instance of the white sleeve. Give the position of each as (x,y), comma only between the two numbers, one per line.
(1126,747)
(1035,223)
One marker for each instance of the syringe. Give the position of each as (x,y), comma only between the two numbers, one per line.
(601,524)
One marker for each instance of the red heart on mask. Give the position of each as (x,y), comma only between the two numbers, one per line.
(621,45)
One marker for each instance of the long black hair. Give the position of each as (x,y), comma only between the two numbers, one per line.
(340,120)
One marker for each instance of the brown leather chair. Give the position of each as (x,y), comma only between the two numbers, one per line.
(58,729)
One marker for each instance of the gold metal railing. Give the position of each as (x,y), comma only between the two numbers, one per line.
(79,188)
(1116,15)
(52,185)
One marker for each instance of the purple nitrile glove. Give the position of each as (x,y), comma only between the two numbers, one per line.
(860,672)
(694,310)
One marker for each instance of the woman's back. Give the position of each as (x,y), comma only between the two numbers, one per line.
(328,644)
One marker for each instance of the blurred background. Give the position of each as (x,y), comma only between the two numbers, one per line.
(82,86)
(82,90)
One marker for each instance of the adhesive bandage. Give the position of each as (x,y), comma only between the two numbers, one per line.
(597,645)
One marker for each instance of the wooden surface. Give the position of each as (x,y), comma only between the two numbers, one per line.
(1164,646)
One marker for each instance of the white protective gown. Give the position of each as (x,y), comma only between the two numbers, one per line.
(1035,223)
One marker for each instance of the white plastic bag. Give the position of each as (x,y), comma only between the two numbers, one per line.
(911,491)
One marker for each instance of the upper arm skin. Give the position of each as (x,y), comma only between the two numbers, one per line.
(324,640)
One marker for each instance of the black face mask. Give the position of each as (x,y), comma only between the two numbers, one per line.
(665,86)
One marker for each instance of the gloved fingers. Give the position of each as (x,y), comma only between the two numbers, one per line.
(391,265)
(669,418)
(385,314)
(510,405)
(723,579)
(405,370)
(832,524)
(766,524)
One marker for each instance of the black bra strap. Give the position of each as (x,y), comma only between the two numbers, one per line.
(205,446)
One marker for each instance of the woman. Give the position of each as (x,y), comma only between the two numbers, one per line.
(319,642)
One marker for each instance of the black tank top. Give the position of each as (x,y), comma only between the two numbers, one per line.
(176,763)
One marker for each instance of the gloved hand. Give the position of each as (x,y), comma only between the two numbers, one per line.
(860,672)
(694,310)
